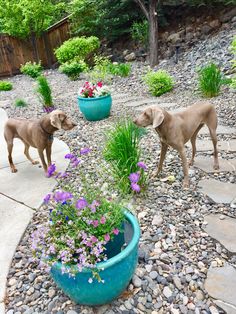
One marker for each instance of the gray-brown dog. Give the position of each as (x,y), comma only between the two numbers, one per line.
(175,129)
(37,133)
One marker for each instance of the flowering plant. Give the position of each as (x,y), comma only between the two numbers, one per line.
(89,90)
(79,227)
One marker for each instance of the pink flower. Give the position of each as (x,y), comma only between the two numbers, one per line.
(95,223)
(94,239)
(107,237)
(99,84)
(116,231)
(103,220)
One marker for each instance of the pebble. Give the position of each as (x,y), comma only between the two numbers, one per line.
(137,282)
(167,292)
(157,220)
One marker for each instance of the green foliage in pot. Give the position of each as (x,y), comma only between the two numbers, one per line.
(122,151)
(210,80)
(31,69)
(159,82)
(73,69)
(44,91)
(5,86)
(78,47)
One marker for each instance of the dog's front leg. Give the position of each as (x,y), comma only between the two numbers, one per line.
(49,153)
(181,151)
(164,148)
(41,155)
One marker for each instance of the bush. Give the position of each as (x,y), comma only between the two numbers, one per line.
(20,103)
(210,80)
(78,47)
(122,152)
(159,82)
(44,91)
(32,69)
(139,32)
(120,69)
(5,86)
(73,69)
(233,49)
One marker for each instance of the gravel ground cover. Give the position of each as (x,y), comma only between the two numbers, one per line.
(175,253)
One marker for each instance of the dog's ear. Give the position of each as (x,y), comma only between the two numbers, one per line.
(157,116)
(55,119)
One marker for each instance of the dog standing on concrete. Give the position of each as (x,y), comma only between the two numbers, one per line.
(37,133)
(175,129)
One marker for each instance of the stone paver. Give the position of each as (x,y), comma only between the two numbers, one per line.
(19,193)
(228,308)
(206,164)
(221,129)
(14,220)
(219,192)
(206,145)
(223,229)
(221,285)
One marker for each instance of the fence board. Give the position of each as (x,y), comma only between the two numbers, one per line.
(14,51)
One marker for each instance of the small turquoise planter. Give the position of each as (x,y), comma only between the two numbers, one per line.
(95,109)
(116,272)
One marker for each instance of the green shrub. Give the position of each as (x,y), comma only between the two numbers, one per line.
(139,32)
(233,49)
(120,69)
(78,47)
(20,103)
(122,151)
(5,86)
(73,69)
(210,80)
(159,82)
(44,90)
(32,69)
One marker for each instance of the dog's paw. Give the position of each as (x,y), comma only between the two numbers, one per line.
(186,185)
(216,167)
(154,174)
(190,163)
(13,170)
(35,162)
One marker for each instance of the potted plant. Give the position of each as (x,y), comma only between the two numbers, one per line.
(89,239)
(94,101)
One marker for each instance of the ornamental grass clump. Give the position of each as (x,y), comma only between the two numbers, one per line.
(45,93)
(159,82)
(80,225)
(122,151)
(210,80)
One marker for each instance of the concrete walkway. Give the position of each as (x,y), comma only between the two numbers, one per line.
(20,194)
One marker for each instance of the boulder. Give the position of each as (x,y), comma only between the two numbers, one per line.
(130,57)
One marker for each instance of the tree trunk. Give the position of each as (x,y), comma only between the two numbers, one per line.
(34,46)
(153,33)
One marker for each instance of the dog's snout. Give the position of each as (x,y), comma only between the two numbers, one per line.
(135,121)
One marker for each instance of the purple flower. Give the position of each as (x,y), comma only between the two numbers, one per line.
(81,203)
(135,187)
(67,218)
(69,156)
(85,151)
(94,205)
(76,162)
(134,177)
(47,198)
(62,196)
(142,165)
(51,170)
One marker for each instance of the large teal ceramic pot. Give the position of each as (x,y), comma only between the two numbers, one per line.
(95,109)
(116,272)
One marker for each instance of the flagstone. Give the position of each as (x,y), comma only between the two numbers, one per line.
(221,284)
(206,145)
(219,192)
(223,229)
(206,164)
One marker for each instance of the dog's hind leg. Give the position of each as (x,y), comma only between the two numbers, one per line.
(9,148)
(214,141)
(193,142)
(26,152)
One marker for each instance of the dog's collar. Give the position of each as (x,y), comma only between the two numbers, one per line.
(50,135)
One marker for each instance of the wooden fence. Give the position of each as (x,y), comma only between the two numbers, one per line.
(14,51)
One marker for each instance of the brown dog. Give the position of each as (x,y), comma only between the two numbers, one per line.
(178,128)
(37,133)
